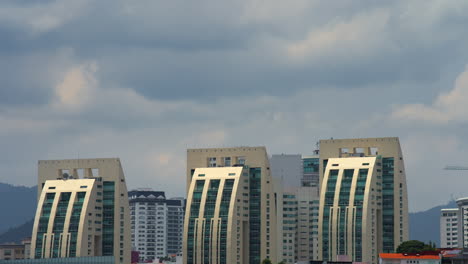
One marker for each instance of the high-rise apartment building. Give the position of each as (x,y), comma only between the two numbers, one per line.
(363,199)
(157,224)
(307,224)
(287,169)
(295,170)
(287,228)
(449,228)
(463,222)
(298,231)
(311,172)
(231,212)
(82,210)
(298,204)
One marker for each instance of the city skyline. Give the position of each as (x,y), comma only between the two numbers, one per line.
(182,194)
(144,81)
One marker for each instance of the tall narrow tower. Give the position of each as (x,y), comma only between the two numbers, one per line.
(82,210)
(383,192)
(246,216)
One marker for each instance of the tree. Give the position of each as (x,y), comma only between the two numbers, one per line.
(282,262)
(414,247)
(266,261)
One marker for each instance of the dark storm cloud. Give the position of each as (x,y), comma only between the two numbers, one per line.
(180,50)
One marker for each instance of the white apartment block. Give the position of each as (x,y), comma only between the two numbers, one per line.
(449,228)
(157,224)
(462,222)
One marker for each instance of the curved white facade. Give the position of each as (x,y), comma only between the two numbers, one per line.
(393,201)
(259,199)
(350,207)
(83,210)
(217,223)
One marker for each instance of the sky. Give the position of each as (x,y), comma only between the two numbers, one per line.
(145,80)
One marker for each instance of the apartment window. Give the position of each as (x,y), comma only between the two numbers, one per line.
(241,160)
(212,162)
(227,161)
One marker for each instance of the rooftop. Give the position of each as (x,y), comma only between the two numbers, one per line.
(449,210)
(406,256)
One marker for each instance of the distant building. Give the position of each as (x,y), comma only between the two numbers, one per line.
(12,251)
(463,222)
(454,256)
(363,199)
(82,211)
(157,224)
(287,168)
(307,224)
(288,227)
(449,228)
(311,172)
(16,251)
(295,170)
(231,209)
(395,258)
(296,188)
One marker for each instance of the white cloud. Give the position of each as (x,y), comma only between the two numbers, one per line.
(362,35)
(447,107)
(77,87)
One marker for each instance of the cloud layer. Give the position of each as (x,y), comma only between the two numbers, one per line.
(144,80)
(447,108)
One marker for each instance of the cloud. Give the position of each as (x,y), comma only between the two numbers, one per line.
(77,87)
(447,107)
(178,74)
(345,37)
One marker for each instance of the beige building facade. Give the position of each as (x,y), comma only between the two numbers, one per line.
(385,175)
(257,214)
(218,223)
(351,206)
(82,211)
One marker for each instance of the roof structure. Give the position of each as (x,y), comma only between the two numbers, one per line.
(406,256)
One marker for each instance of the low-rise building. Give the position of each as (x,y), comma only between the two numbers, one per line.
(11,251)
(16,251)
(396,258)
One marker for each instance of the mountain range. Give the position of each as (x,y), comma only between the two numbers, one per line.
(425,225)
(17,204)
